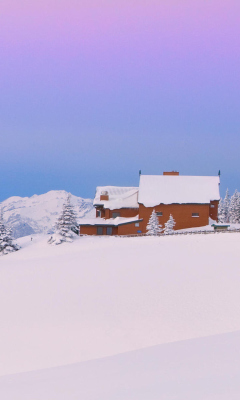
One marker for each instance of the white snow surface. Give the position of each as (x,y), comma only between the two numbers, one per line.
(38,214)
(209,227)
(165,189)
(199,369)
(101,296)
(119,197)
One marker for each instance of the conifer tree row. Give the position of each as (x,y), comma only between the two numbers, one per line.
(153,226)
(169,225)
(6,241)
(229,208)
(66,225)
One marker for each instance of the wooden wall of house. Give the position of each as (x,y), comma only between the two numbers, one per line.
(182,213)
(213,210)
(88,230)
(124,212)
(128,229)
(92,230)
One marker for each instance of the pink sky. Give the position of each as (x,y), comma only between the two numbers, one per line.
(132,69)
(127,34)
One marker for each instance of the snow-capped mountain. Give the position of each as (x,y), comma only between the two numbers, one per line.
(37,214)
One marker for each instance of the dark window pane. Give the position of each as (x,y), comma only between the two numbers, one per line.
(109,231)
(159,214)
(99,230)
(115,214)
(195,214)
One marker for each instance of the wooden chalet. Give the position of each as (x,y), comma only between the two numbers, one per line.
(192,201)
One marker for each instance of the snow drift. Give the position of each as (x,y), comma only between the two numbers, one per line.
(199,369)
(98,297)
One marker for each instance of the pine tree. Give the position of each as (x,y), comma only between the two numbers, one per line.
(226,205)
(66,225)
(234,208)
(221,214)
(153,226)
(169,225)
(6,241)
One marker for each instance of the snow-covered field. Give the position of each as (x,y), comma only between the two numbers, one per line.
(198,369)
(98,297)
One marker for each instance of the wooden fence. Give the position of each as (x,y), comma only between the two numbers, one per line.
(200,232)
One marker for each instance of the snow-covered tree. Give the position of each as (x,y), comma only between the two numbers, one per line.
(234,208)
(221,213)
(226,205)
(153,226)
(169,225)
(6,240)
(66,225)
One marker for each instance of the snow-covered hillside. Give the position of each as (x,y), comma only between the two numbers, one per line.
(37,214)
(198,369)
(101,296)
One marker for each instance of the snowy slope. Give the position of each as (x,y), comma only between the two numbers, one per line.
(199,369)
(100,296)
(37,214)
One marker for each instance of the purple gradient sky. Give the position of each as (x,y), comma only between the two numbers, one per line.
(93,91)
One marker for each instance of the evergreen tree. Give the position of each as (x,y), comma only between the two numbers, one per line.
(226,205)
(6,240)
(153,226)
(66,225)
(169,225)
(221,214)
(234,208)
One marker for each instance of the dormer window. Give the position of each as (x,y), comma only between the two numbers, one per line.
(98,214)
(115,214)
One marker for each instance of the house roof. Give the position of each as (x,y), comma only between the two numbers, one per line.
(119,197)
(110,222)
(165,189)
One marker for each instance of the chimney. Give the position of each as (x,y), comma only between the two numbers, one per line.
(174,173)
(104,195)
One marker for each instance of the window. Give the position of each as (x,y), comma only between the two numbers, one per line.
(98,214)
(115,214)
(159,214)
(109,230)
(99,230)
(137,224)
(212,205)
(195,214)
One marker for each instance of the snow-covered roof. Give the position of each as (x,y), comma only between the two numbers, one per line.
(119,197)
(165,189)
(111,221)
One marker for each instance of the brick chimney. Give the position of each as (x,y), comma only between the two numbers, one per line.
(174,173)
(104,196)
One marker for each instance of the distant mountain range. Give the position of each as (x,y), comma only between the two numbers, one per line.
(37,214)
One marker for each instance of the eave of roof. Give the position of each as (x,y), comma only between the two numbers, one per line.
(110,222)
